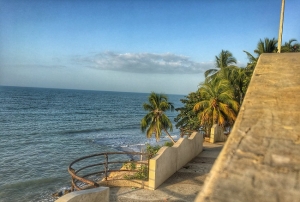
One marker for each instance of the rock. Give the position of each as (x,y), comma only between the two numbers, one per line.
(66,191)
(58,194)
(61,193)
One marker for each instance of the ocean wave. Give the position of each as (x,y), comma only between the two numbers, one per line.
(66,132)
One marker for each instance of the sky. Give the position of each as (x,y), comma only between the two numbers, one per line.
(131,45)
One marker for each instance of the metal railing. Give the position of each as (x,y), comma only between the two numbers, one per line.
(84,181)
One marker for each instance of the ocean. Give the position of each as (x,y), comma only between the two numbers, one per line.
(43,130)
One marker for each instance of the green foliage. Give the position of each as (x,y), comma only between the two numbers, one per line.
(141,174)
(219,97)
(152,150)
(266,46)
(290,46)
(218,104)
(187,120)
(223,60)
(168,144)
(129,166)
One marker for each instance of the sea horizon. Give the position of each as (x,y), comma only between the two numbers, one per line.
(53,88)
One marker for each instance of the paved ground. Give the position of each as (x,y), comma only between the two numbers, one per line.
(184,185)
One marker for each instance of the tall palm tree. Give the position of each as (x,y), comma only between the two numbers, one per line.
(156,120)
(223,60)
(266,46)
(239,79)
(218,105)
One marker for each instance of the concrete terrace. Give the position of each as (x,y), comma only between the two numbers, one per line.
(184,185)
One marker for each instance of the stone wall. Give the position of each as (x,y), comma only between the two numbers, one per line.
(170,159)
(261,158)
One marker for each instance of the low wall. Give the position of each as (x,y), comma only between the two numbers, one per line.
(217,134)
(96,194)
(170,159)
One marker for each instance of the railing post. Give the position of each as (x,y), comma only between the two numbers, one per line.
(106,166)
(72,186)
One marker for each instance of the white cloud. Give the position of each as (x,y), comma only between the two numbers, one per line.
(166,63)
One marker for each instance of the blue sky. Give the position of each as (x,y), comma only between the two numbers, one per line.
(131,46)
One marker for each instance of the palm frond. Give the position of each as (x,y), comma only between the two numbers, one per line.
(210,72)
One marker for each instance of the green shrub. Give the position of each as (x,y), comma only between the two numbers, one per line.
(141,174)
(152,150)
(168,144)
(129,166)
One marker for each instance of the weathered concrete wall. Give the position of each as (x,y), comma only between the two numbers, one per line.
(261,158)
(96,194)
(171,159)
(217,134)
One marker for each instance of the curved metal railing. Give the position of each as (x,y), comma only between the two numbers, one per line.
(82,181)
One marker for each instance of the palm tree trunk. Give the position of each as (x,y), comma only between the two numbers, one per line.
(169,136)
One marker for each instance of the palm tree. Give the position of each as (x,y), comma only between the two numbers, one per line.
(239,79)
(218,105)
(290,46)
(252,61)
(156,120)
(187,120)
(223,60)
(266,46)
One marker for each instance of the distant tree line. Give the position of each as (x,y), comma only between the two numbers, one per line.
(219,97)
(217,100)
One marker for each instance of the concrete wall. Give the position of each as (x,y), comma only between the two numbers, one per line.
(96,194)
(170,159)
(261,158)
(217,134)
